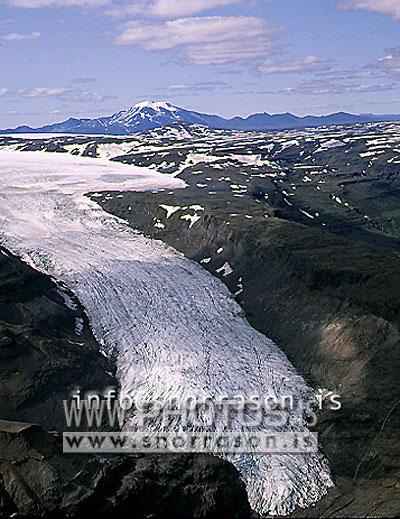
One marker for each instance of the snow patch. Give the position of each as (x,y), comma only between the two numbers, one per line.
(226,270)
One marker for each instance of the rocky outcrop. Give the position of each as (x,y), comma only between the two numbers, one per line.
(46,347)
(38,480)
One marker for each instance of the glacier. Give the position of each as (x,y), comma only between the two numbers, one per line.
(172,328)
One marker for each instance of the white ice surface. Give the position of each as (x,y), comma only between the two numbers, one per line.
(173,328)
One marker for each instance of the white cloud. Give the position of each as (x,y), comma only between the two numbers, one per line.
(294,66)
(15,36)
(43,92)
(323,87)
(83,80)
(3,92)
(179,86)
(36,4)
(391,7)
(388,65)
(86,96)
(64,93)
(172,8)
(382,75)
(168,8)
(204,86)
(186,31)
(207,40)
(231,51)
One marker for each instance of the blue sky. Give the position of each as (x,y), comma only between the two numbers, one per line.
(62,58)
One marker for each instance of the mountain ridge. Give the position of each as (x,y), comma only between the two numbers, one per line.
(150,115)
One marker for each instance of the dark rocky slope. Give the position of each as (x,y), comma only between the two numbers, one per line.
(332,304)
(46,347)
(38,480)
(43,358)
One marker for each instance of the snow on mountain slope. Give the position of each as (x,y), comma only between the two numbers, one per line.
(174,329)
(146,115)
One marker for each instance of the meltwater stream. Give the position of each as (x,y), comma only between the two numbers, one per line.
(174,329)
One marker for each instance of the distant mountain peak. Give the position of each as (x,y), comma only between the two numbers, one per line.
(156,106)
(146,116)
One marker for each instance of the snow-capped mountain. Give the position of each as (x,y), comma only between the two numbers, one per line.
(149,115)
(141,117)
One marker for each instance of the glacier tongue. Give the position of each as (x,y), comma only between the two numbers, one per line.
(174,329)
